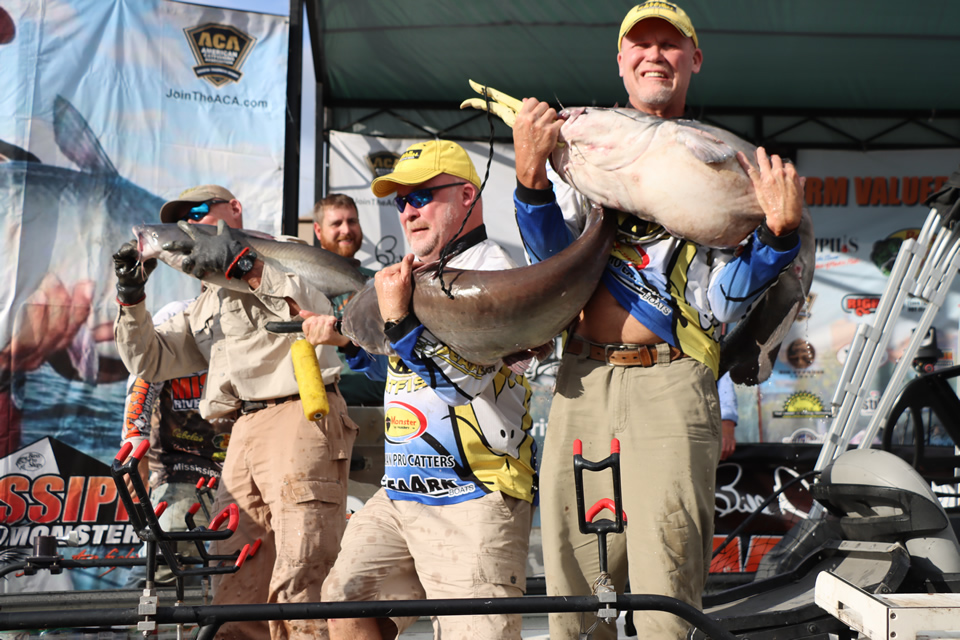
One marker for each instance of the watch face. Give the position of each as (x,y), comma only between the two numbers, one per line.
(245,264)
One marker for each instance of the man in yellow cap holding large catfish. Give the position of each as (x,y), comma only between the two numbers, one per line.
(453,517)
(641,363)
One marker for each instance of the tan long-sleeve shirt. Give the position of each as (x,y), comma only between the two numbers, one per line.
(223,331)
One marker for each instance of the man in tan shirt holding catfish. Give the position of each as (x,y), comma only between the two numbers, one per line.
(287,474)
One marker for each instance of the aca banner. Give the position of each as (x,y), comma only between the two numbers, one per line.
(111,107)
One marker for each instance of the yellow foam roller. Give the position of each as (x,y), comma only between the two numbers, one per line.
(309,379)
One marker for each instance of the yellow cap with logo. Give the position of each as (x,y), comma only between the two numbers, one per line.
(426,160)
(658,9)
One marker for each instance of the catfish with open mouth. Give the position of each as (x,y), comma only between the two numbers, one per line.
(328,272)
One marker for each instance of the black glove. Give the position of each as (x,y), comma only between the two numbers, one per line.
(211,253)
(131,274)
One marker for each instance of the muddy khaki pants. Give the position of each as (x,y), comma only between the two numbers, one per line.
(288,475)
(405,550)
(667,418)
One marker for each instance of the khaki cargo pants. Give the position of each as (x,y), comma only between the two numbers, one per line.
(667,418)
(288,475)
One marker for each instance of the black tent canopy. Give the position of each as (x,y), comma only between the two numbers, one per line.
(788,74)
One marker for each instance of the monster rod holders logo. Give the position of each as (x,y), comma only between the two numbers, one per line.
(221,50)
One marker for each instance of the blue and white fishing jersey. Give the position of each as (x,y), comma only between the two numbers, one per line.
(679,290)
(454,430)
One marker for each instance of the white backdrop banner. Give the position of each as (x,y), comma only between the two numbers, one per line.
(355,160)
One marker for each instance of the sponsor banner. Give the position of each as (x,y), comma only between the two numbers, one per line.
(48,488)
(113,107)
(744,482)
(863,205)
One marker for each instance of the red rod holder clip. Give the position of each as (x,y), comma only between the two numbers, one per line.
(232,512)
(603,503)
(141,450)
(124,452)
(244,553)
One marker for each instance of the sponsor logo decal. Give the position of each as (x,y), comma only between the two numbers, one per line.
(803,404)
(842,244)
(412,154)
(220,50)
(860,304)
(801,354)
(403,422)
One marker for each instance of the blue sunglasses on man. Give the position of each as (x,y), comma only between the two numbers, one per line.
(200,211)
(421,197)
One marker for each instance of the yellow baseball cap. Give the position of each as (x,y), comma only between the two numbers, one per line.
(658,9)
(426,160)
(173,210)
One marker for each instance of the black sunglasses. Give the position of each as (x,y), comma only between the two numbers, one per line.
(421,197)
(200,211)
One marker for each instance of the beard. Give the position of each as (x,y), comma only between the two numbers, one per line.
(346,250)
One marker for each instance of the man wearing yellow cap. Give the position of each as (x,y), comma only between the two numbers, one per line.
(659,304)
(453,517)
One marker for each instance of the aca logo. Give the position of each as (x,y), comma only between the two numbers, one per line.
(403,422)
(220,51)
(382,162)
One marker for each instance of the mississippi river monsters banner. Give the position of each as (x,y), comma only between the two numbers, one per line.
(110,107)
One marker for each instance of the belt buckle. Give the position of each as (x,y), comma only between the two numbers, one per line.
(607,348)
(252,406)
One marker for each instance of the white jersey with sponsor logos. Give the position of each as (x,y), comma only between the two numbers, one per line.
(454,430)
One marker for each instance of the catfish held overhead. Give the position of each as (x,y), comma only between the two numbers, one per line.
(680,174)
(683,175)
(494,314)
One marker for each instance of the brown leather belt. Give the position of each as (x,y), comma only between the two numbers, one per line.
(622,355)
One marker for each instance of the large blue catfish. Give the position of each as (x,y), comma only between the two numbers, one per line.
(495,314)
(683,175)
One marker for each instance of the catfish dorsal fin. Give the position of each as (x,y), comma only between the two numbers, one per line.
(76,140)
(705,147)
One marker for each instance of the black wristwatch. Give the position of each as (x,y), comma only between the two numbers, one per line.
(243,265)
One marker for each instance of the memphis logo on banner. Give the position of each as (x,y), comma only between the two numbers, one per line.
(111,107)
